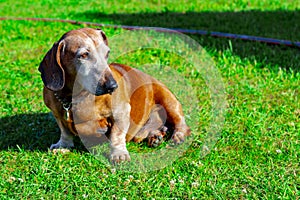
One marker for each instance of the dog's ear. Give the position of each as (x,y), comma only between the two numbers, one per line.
(52,73)
(103,36)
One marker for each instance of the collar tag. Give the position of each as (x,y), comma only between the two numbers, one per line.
(67,113)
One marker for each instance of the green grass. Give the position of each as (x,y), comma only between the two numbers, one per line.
(257,155)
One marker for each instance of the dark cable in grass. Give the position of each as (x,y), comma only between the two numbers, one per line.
(160,29)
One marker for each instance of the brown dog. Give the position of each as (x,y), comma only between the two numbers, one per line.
(114,98)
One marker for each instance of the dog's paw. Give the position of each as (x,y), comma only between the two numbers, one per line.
(155,138)
(61,151)
(62,145)
(178,137)
(118,156)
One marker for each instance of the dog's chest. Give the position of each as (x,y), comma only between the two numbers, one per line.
(91,108)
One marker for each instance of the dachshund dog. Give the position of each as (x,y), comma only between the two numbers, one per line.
(89,97)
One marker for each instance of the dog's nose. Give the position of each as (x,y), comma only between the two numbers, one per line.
(110,86)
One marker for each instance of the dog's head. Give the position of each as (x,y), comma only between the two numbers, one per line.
(80,55)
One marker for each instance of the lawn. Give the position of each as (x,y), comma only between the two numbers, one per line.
(254,151)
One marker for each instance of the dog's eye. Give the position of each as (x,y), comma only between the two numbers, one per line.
(107,54)
(84,55)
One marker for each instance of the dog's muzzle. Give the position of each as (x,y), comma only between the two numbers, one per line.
(108,87)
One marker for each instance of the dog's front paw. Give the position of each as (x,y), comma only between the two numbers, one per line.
(178,137)
(118,156)
(62,145)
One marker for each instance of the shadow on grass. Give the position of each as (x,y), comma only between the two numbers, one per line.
(30,132)
(273,24)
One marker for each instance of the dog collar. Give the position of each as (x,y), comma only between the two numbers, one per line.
(66,104)
(65,101)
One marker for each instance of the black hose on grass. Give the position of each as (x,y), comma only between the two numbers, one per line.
(160,29)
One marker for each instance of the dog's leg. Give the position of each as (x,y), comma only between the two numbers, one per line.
(66,138)
(153,124)
(118,134)
(175,115)
(154,129)
(181,130)
(176,118)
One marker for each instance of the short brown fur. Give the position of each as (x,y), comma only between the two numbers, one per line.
(127,112)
